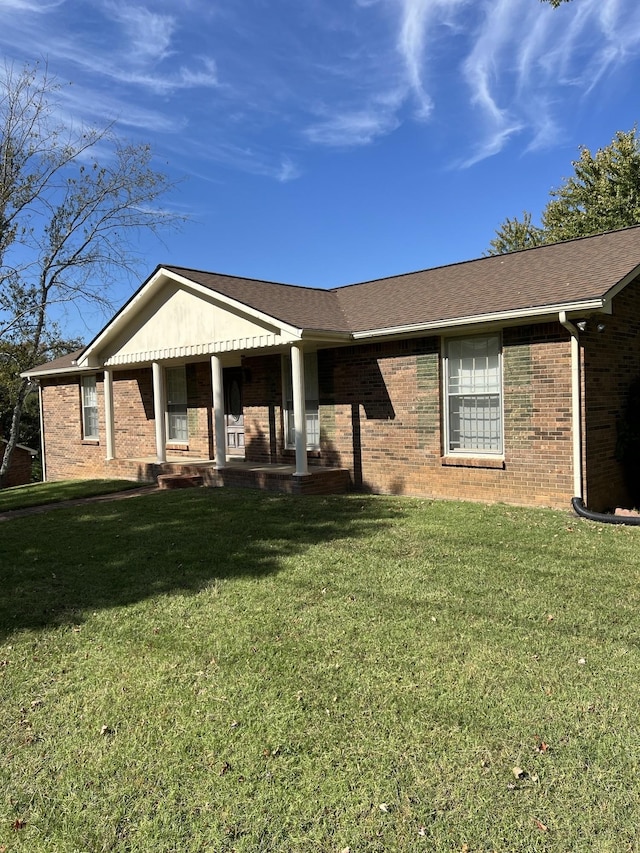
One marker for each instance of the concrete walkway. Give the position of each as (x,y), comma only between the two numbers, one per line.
(112,496)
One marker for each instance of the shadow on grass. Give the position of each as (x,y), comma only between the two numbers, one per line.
(58,566)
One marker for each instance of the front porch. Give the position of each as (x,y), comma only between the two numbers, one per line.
(237,473)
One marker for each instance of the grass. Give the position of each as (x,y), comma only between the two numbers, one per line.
(210,670)
(40,494)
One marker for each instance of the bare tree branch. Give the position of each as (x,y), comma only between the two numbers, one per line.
(72,202)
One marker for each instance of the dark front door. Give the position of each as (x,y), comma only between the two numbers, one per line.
(233,416)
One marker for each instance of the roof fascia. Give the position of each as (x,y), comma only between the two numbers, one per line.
(323,336)
(59,371)
(528,314)
(615,290)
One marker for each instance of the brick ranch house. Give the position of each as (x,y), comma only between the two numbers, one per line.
(498,379)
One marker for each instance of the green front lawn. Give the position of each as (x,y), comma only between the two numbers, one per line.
(212,670)
(39,494)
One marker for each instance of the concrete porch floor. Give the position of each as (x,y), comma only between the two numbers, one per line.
(238,473)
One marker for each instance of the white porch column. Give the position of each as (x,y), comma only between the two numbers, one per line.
(108,413)
(299,409)
(218,412)
(159,407)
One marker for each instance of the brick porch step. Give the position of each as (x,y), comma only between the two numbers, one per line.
(179,481)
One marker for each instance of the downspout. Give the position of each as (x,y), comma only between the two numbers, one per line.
(576,410)
(577,501)
(42,453)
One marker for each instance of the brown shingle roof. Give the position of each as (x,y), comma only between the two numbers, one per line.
(64,362)
(302,307)
(559,274)
(534,279)
(562,273)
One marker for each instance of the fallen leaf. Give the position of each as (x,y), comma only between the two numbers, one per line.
(225,768)
(106,730)
(383,807)
(19,823)
(541,826)
(582,661)
(518,772)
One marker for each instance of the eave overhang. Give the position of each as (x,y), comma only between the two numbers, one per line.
(73,370)
(523,315)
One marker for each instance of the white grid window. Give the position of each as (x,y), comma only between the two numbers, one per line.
(177,428)
(311,401)
(89,408)
(474,395)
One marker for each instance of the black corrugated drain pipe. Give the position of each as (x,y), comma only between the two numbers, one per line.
(603,517)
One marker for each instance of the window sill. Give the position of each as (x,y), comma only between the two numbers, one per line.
(472,462)
(91,442)
(175,445)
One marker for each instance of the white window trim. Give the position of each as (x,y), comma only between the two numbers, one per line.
(84,385)
(466,452)
(170,439)
(311,396)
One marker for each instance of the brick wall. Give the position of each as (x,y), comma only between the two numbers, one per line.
(386,421)
(611,361)
(262,401)
(68,456)
(380,417)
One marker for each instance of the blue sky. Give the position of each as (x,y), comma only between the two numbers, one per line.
(324,142)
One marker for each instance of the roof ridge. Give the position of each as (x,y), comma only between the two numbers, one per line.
(246,278)
(489,257)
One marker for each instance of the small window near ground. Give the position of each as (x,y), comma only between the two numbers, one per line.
(473,385)
(177,428)
(311,401)
(89,408)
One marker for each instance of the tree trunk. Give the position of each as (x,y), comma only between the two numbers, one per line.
(12,440)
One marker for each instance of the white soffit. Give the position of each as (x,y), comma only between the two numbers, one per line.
(178,321)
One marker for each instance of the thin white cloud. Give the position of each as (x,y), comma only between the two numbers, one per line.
(289,171)
(38,6)
(132,46)
(99,108)
(422,24)
(251,159)
(149,34)
(332,73)
(482,71)
(411,43)
(525,59)
(349,129)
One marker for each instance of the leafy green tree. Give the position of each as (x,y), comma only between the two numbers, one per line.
(603,194)
(516,233)
(72,203)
